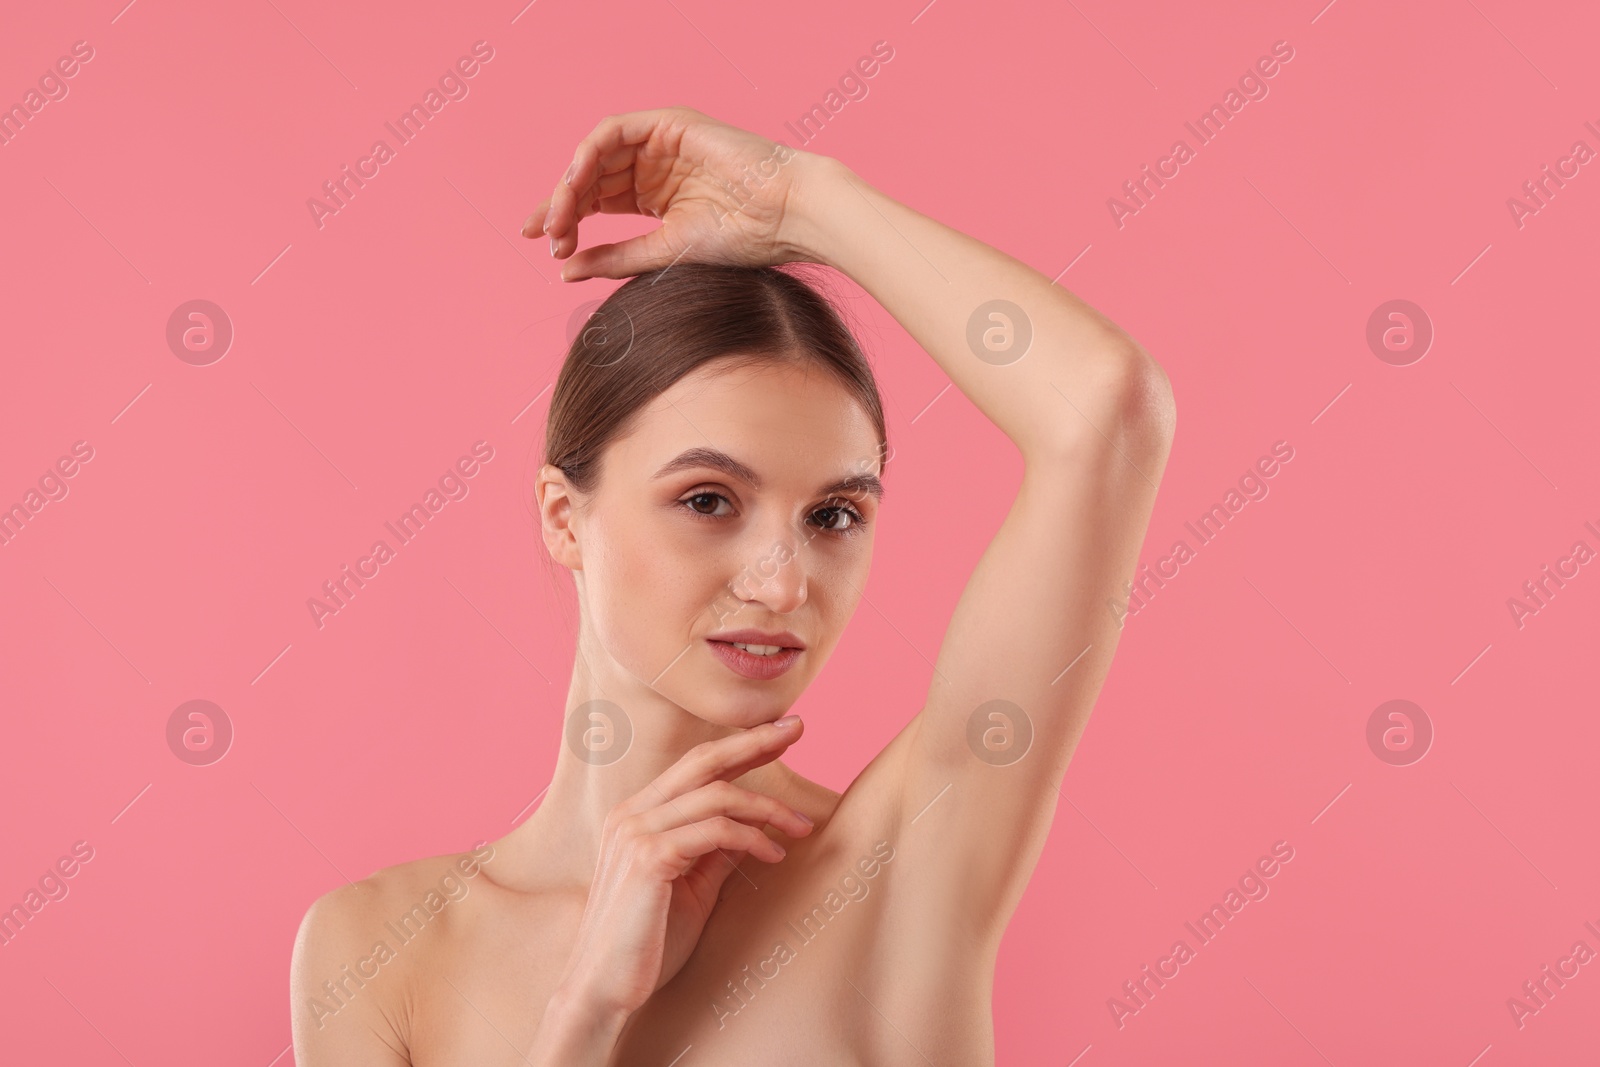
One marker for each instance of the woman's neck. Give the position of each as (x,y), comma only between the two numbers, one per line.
(618,737)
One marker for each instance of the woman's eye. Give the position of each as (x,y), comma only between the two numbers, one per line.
(704,503)
(830,517)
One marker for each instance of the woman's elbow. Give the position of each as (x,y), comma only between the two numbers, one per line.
(1148,409)
(1132,414)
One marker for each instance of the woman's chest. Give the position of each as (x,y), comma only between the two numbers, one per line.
(763,988)
(774,974)
(830,1000)
(808,968)
(810,964)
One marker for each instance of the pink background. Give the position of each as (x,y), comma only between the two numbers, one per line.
(425,716)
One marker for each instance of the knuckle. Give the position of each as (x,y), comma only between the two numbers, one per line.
(650,853)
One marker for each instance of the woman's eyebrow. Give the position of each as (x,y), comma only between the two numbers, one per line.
(854,485)
(716,459)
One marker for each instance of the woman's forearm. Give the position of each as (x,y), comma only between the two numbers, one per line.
(575,1033)
(1078,373)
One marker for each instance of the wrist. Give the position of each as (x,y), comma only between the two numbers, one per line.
(579,1027)
(815,184)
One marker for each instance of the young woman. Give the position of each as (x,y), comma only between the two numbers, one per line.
(714,451)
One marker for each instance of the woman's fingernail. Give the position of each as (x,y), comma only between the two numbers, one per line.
(802,817)
(528,225)
(552,247)
(571,170)
(782,852)
(787,721)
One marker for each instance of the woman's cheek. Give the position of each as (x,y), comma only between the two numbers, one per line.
(655,582)
(837,584)
(615,567)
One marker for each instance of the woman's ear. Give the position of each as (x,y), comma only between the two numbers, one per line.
(554,496)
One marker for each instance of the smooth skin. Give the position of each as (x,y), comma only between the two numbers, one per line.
(696,901)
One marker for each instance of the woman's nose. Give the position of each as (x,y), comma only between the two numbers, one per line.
(775,574)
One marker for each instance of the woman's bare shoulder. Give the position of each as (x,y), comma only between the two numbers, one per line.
(364,924)
(431,884)
(353,934)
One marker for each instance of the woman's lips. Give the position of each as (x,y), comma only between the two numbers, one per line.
(750,665)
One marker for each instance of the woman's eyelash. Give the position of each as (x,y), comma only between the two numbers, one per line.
(857,522)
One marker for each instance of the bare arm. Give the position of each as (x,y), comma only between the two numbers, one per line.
(327,1029)
(1093,417)
(1046,370)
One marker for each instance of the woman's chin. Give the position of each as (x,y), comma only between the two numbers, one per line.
(742,718)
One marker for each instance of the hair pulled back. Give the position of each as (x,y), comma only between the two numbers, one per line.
(660,326)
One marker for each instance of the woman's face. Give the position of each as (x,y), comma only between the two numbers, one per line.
(742,500)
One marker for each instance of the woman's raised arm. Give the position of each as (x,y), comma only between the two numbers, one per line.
(1032,636)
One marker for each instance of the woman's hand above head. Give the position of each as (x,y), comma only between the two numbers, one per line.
(722,195)
(664,854)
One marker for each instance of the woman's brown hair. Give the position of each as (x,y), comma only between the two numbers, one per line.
(660,326)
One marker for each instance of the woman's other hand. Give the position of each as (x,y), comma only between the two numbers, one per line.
(664,854)
(722,195)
